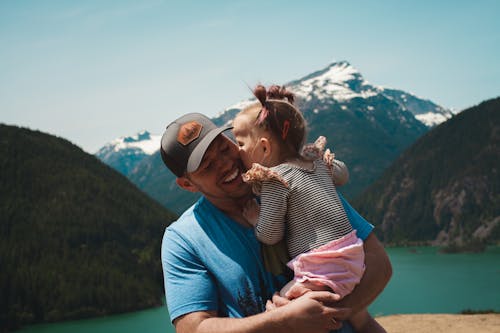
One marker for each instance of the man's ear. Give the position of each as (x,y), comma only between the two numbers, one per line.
(186,184)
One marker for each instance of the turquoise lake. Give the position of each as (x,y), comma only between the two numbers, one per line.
(423,281)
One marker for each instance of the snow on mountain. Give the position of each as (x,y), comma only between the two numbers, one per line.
(125,153)
(340,82)
(427,112)
(431,119)
(144,141)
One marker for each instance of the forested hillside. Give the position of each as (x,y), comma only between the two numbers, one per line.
(77,239)
(446,187)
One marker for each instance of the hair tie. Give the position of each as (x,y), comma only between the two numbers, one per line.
(263,113)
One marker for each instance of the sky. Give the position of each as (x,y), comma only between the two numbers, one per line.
(95,70)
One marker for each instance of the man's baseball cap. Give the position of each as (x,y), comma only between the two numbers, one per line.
(186,140)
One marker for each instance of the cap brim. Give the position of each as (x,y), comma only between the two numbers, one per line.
(201,148)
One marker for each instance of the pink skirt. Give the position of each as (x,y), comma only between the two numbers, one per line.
(339,264)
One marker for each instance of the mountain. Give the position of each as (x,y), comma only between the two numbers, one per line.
(424,110)
(342,83)
(445,187)
(367,126)
(77,239)
(123,154)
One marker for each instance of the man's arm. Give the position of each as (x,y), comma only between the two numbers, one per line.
(378,266)
(377,274)
(307,314)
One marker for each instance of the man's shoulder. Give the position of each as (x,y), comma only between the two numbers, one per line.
(184,223)
(188,225)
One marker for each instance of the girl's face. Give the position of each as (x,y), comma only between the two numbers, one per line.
(251,150)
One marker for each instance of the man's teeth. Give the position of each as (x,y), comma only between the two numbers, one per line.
(232,176)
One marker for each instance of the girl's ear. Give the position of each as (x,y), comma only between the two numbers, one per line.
(186,184)
(265,146)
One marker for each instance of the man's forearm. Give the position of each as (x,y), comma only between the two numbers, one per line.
(377,274)
(208,322)
(306,314)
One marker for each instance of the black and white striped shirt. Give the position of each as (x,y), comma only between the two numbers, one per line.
(308,213)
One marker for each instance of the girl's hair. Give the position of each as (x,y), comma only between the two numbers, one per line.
(281,118)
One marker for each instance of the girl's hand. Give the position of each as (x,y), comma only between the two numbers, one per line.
(276,302)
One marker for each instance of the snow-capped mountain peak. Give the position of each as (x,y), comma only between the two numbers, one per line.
(125,153)
(339,81)
(144,141)
(336,73)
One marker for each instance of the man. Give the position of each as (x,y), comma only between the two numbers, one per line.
(215,280)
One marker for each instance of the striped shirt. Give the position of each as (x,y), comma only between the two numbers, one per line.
(308,213)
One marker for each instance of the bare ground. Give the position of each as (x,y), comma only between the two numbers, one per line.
(441,323)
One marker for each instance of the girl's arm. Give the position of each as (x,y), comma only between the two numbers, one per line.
(340,173)
(270,228)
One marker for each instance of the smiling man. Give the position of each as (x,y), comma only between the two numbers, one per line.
(215,280)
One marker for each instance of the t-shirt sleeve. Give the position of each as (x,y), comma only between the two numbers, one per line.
(358,222)
(184,274)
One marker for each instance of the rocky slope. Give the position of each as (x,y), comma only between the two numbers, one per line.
(445,187)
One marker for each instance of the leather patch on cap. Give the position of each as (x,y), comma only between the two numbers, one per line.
(189,132)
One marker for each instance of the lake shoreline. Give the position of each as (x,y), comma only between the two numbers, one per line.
(425,282)
(435,323)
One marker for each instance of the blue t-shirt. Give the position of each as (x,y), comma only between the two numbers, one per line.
(212,263)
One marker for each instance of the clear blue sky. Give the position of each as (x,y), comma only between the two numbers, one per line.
(91,71)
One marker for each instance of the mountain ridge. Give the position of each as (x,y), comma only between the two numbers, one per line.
(444,187)
(78,239)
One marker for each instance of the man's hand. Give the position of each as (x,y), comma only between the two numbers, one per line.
(309,313)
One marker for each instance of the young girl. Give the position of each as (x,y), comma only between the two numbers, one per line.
(299,202)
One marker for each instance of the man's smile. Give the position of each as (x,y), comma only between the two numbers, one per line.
(232,176)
